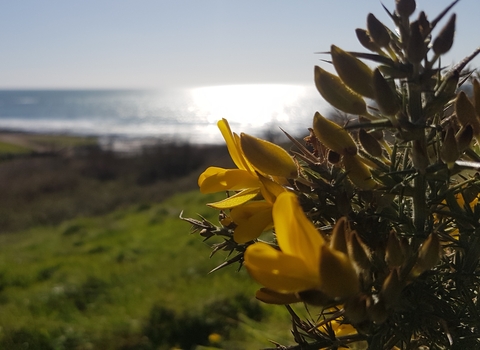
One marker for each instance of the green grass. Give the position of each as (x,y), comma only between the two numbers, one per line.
(124,281)
(11,149)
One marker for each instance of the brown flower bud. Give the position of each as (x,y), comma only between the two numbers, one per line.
(476,96)
(338,278)
(416,48)
(394,255)
(392,289)
(428,255)
(353,72)
(333,157)
(424,24)
(378,32)
(370,143)
(366,41)
(464,137)
(358,252)
(385,97)
(341,231)
(376,310)
(335,92)
(444,41)
(356,309)
(449,150)
(405,8)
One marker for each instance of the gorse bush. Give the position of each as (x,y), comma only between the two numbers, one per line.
(372,225)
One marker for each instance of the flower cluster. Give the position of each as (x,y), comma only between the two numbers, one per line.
(374,220)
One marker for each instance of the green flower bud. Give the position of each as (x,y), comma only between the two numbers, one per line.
(444,41)
(335,92)
(385,97)
(378,32)
(405,8)
(353,72)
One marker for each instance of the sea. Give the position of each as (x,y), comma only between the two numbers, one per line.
(128,118)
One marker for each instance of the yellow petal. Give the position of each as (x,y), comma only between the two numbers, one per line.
(235,200)
(358,173)
(252,219)
(296,234)
(267,157)
(270,189)
(278,271)
(232,146)
(269,296)
(338,278)
(333,136)
(218,179)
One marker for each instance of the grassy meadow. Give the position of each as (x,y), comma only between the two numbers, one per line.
(93,255)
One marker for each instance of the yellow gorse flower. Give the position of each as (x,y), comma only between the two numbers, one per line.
(245,178)
(305,261)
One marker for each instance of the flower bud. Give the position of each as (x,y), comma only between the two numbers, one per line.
(378,32)
(353,72)
(356,309)
(376,310)
(416,48)
(385,97)
(366,41)
(449,150)
(392,289)
(444,41)
(338,278)
(335,92)
(465,112)
(405,8)
(333,157)
(333,136)
(394,255)
(428,255)
(341,231)
(267,157)
(476,96)
(370,143)
(357,251)
(358,173)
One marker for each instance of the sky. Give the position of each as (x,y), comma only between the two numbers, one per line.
(69,44)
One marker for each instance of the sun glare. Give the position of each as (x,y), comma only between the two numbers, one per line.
(248,105)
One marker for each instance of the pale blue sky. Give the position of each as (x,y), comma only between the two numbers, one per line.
(183,43)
